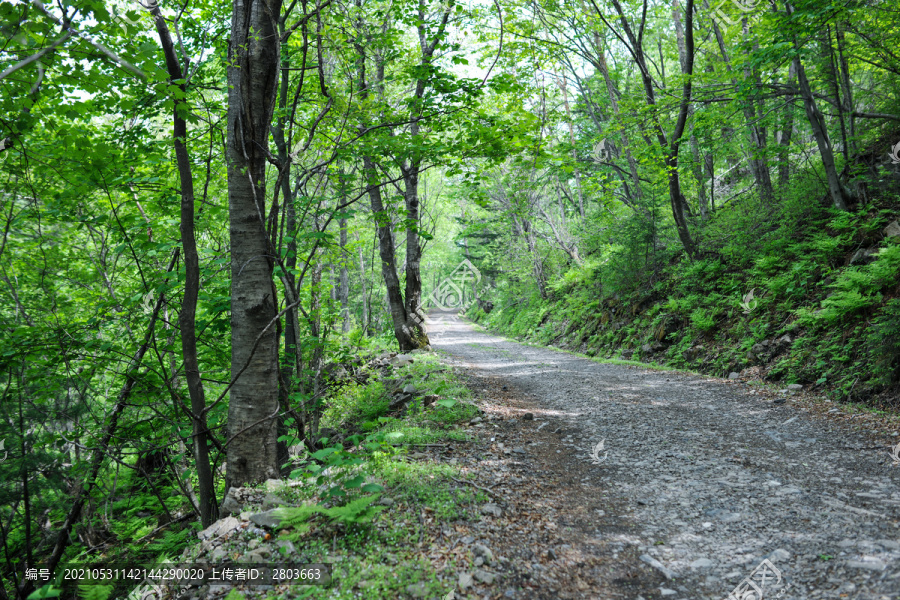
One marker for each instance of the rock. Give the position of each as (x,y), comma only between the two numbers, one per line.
(274,485)
(220,527)
(417,590)
(702,563)
(385,501)
(666,592)
(465,581)
(627,352)
(794,387)
(551,554)
(734,375)
(430,399)
(646,349)
(484,552)
(863,256)
(779,554)
(409,389)
(218,554)
(491,509)
(871,565)
(528,416)
(272,501)
(657,565)
(484,576)
(892,230)
(260,555)
(402,360)
(230,504)
(475,421)
(778,401)
(266,519)
(285,547)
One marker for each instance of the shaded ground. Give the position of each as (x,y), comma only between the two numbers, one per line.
(699,481)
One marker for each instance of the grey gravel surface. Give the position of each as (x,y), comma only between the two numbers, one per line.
(714,477)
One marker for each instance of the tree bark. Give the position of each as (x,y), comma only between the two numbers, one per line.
(188,317)
(787,131)
(388,259)
(820,132)
(253,398)
(344,282)
(759,166)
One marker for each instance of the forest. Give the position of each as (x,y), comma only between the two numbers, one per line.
(231,232)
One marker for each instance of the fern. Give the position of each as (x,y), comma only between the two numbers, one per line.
(296,517)
(355,512)
(88,591)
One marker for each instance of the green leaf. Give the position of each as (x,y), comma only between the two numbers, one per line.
(355,482)
(48,591)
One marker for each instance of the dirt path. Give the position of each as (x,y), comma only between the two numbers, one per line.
(699,481)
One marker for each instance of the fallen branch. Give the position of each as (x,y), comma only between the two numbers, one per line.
(482,488)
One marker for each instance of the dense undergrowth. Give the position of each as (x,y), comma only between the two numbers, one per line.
(791,291)
(360,497)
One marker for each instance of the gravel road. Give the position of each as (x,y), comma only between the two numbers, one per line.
(712,476)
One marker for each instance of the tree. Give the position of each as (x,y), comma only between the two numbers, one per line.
(253,408)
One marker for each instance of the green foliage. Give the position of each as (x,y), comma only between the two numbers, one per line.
(47,591)
(94,591)
(355,512)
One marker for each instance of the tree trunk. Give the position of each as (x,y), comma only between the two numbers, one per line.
(364,319)
(187,319)
(820,132)
(831,71)
(344,286)
(845,84)
(388,261)
(253,398)
(787,131)
(414,316)
(759,166)
(669,145)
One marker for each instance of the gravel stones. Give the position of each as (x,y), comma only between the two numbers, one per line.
(699,454)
